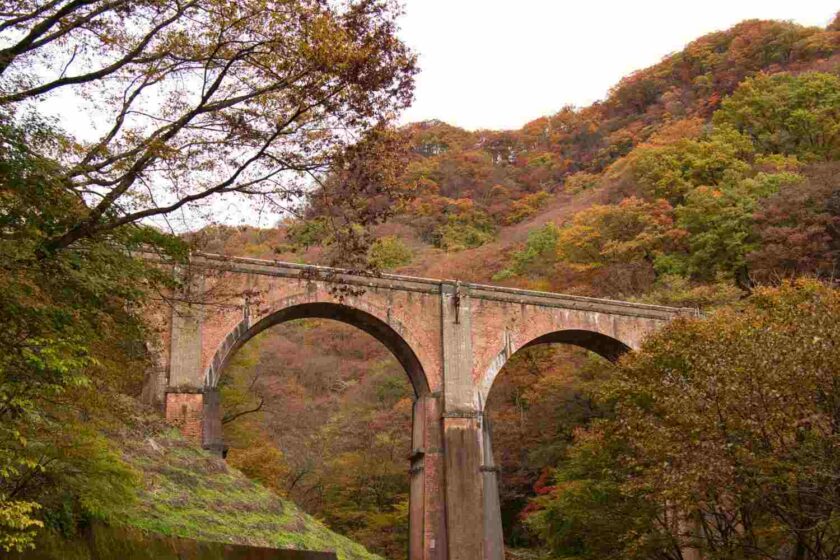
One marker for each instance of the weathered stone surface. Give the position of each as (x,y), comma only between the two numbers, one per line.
(451,338)
(464,500)
(494,546)
(186,411)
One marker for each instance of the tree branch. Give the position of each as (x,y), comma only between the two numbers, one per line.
(231,417)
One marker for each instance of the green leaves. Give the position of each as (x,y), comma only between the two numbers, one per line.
(464,228)
(389,252)
(788,114)
(18,526)
(701,196)
(71,320)
(720,226)
(537,257)
(673,170)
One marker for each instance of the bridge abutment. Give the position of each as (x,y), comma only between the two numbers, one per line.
(185,410)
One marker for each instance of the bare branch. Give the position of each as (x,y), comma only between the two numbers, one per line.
(130,57)
(231,417)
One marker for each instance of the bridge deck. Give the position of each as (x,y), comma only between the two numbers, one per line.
(401,282)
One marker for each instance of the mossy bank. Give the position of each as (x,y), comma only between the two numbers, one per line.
(187,492)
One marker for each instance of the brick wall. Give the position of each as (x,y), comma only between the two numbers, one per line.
(185,411)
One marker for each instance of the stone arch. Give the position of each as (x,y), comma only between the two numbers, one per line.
(604,345)
(607,346)
(390,334)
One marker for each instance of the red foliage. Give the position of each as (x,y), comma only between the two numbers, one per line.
(799,228)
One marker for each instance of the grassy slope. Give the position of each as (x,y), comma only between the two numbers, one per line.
(188,492)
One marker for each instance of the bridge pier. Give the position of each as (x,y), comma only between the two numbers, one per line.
(494,545)
(427,517)
(184,394)
(211,425)
(474,530)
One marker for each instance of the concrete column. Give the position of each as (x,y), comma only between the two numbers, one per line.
(494,545)
(185,370)
(154,386)
(185,382)
(211,422)
(461,430)
(427,527)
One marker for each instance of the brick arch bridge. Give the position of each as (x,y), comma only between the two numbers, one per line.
(452,339)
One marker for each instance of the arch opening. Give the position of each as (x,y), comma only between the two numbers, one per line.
(533,400)
(325,431)
(605,346)
(355,317)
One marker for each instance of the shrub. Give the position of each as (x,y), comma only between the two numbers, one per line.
(388,253)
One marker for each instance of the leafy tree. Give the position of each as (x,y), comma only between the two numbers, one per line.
(526,207)
(335,429)
(72,323)
(798,228)
(195,99)
(465,227)
(537,257)
(18,524)
(259,458)
(633,230)
(788,114)
(308,233)
(202,98)
(580,181)
(719,225)
(610,249)
(676,290)
(389,252)
(587,514)
(361,191)
(673,170)
(539,399)
(722,439)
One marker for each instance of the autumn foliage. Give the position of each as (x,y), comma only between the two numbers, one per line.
(696,182)
(721,437)
(707,180)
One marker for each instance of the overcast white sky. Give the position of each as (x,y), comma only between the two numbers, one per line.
(499,63)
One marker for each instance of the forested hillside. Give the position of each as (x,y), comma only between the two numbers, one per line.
(709,180)
(693,183)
